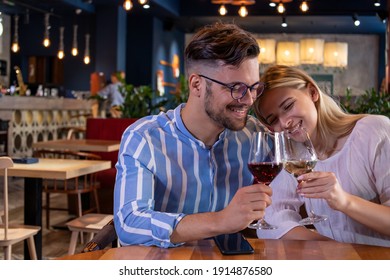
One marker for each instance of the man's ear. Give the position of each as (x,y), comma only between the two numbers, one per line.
(194,84)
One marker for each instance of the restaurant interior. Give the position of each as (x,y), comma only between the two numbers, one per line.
(55,55)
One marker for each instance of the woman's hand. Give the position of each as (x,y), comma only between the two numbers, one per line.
(326,186)
(323,185)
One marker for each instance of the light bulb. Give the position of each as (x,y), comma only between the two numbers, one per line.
(46,42)
(304,7)
(15,47)
(281,8)
(75,51)
(243,12)
(127,5)
(60,54)
(87,59)
(222,10)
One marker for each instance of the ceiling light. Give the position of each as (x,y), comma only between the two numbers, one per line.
(127,5)
(356,21)
(304,7)
(284,22)
(222,10)
(87,58)
(15,42)
(377,3)
(61,53)
(281,8)
(46,39)
(243,12)
(75,51)
(272,4)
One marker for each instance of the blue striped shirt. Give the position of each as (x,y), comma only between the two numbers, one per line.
(164,173)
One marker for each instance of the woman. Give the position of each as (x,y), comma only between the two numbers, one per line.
(351,181)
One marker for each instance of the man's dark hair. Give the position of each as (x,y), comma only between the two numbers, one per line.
(223,43)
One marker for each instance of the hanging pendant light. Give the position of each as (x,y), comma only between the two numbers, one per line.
(61,53)
(222,9)
(15,42)
(127,5)
(87,58)
(243,11)
(75,50)
(46,37)
(304,6)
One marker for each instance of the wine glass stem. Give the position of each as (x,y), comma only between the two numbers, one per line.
(311,212)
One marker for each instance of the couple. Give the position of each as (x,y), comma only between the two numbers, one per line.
(182,175)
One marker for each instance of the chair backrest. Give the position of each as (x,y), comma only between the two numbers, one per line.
(5,163)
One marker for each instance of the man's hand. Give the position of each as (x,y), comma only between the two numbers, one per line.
(247,205)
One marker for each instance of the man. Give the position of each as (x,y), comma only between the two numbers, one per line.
(182,175)
(112,94)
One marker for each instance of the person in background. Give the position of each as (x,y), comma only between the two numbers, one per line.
(182,175)
(112,94)
(351,181)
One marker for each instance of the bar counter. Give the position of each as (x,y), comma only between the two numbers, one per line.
(33,119)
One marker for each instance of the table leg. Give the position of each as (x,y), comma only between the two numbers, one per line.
(33,212)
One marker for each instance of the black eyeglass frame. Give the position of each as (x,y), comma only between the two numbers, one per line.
(259,90)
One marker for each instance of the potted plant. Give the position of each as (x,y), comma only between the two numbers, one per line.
(371,102)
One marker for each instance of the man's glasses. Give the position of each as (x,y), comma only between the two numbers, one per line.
(238,90)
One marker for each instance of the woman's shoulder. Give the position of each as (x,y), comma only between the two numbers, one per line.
(374,127)
(374,122)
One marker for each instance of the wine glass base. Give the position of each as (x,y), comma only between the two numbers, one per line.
(263,225)
(312,220)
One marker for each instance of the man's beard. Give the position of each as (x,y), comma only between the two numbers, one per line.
(218,117)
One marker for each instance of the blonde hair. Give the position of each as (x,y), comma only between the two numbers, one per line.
(332,121)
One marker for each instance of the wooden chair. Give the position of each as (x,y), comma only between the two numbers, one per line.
(105,236)
(90,223)
(76,186)
(11,234)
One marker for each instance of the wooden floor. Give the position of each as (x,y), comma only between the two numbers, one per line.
(55,242)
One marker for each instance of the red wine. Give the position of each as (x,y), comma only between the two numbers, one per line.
(299,167)
(265,172)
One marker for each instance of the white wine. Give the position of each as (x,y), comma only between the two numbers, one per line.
(299,167)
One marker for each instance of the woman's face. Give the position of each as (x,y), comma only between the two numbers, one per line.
(285,108)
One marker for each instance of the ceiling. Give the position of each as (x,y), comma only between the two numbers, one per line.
(324,16)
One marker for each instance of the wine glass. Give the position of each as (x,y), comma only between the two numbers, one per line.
(300,158)
(265,163)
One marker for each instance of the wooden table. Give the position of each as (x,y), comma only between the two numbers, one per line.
(90,145)
(264,250)
(48,169)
